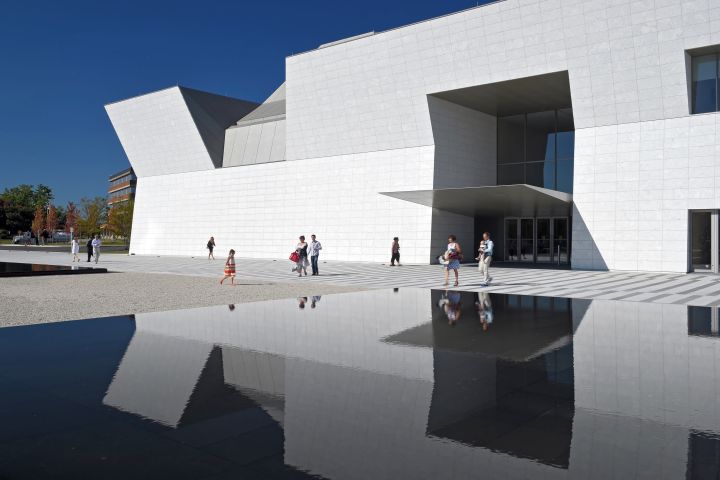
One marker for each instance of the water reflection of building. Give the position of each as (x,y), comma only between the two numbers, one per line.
(557,387)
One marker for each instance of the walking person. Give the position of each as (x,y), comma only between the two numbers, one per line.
(395,252)
(453,255)
(486,259)
(96,244)
(89,246)
(229,268)
(75,249)
(302,250)
(210,246)
(314,251)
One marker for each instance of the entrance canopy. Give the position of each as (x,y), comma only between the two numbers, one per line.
(501,200)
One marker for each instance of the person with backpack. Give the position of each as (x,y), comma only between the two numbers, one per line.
(210,246)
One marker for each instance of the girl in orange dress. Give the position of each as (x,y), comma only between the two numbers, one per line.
(230,268)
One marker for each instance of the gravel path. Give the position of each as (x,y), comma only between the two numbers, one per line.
(30,300)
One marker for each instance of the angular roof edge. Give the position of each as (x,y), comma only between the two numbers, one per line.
(373,34)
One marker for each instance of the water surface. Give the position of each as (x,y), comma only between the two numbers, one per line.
(372,385)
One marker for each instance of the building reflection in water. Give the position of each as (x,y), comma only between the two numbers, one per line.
(379,385)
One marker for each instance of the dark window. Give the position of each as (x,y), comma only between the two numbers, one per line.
(705,84)
(540,136)
(511,174)
(565,175)
(537,149)
(511,139)
(540,174)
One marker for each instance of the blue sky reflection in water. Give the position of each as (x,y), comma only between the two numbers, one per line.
(379,384)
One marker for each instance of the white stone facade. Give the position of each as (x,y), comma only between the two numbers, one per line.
(359,122)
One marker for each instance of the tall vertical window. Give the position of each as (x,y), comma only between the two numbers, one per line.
(705,83)
(537,149)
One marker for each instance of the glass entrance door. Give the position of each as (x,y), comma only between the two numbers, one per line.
(527,240)
(544,240)
(701,234)
(541,240)
(511,239)
(560,240)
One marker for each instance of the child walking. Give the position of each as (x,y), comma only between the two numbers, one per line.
(229,268)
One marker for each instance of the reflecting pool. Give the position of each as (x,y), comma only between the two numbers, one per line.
(385,384)
(13,269)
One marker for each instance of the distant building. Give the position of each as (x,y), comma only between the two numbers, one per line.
(122,187)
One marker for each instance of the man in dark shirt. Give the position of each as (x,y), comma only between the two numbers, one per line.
(89,248)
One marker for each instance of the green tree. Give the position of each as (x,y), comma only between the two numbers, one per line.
(61,216)
(120,219)
(93,214)
(42,196)
(20,202)
(18,218)
(21,195)
(3,216)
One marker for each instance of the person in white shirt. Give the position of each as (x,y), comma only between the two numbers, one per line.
(486,259)
(75,249)
(314,248)
(96,244)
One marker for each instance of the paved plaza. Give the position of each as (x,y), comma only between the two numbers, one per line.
(690,289)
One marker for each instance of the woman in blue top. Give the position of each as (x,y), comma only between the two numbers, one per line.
(453,255)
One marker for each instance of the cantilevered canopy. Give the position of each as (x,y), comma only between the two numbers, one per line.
(510,97)
(501,200)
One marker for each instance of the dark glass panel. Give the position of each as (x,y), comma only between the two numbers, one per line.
(560,238)
(540,136)
(511,174)
(704,88)
(701,240)
(511,239)
(549,175)
(527,237)
(536,174)
(511,139)
(544,252)
(565,144)
(565,120)
(565,176)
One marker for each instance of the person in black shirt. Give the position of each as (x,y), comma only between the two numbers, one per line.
(89,248)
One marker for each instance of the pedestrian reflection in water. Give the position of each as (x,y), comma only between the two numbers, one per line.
(301,302)
(314,300)
(451,305)
(231,307)
(483,306)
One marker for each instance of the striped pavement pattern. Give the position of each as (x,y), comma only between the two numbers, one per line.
(688,289)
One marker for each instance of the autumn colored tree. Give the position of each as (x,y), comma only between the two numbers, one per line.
(120,219)
(71,218)
(38,221)
(93,214)
(51,222)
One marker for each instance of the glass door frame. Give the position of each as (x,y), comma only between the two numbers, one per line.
(533,254)
(714,241)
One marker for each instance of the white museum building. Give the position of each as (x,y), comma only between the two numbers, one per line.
(574,131)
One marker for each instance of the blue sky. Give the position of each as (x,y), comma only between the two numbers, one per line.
(63,61)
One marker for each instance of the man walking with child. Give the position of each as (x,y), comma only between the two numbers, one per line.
(487,249)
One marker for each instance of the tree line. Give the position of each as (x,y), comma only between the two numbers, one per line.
(30,208)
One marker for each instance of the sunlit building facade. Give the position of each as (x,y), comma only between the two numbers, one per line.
(576,132)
